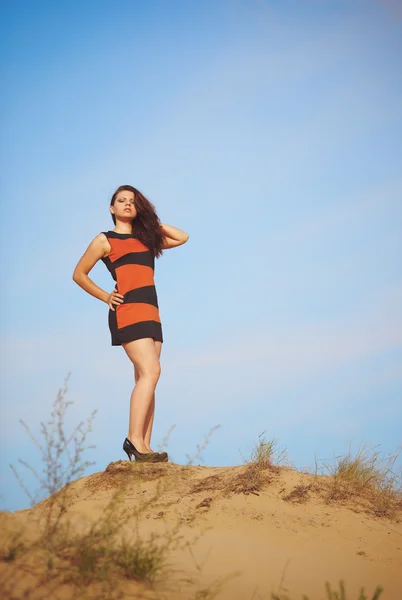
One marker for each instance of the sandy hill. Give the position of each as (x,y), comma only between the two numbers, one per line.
(168,531)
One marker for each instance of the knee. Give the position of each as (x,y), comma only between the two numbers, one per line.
(157,371)
(152,372)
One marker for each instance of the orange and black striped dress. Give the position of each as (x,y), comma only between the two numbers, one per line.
(132,266)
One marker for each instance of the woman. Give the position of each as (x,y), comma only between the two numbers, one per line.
(129,252)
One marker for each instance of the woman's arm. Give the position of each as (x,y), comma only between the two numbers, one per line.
(173,236)
(95,251)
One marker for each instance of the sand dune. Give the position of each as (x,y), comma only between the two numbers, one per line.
(266,530)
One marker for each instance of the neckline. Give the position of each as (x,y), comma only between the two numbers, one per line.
(119,233)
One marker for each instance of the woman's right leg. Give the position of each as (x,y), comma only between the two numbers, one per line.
(144,357)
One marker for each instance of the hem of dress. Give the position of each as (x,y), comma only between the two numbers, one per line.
(137,331)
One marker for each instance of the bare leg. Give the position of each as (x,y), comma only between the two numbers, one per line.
(151,412)
(145,358)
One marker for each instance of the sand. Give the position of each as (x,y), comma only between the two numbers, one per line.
(266,531)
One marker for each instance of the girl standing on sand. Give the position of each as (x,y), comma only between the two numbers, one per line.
(129,252)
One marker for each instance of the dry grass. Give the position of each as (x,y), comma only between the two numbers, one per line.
(365,482)
(261,469)
(299,494)
(267,453)
(335,595)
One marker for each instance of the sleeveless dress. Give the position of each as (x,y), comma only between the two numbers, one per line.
(132,266)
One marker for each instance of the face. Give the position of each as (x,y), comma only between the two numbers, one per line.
(124,207)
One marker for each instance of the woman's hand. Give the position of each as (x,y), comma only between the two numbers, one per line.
(114,298)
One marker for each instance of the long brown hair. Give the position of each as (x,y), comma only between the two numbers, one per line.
(146,225)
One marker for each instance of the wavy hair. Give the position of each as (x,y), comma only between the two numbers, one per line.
(146,225)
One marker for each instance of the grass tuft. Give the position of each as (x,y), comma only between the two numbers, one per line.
(366,481)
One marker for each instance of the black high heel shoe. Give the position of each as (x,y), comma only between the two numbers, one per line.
(130,450)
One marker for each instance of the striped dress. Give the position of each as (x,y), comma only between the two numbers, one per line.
(132,265)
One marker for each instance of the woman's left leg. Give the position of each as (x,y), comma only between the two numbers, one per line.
(151,411)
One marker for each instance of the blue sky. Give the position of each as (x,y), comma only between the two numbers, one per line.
(271,132)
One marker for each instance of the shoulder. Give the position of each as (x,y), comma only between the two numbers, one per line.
(101,240)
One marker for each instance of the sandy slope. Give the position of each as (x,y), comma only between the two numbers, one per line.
(267,543)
